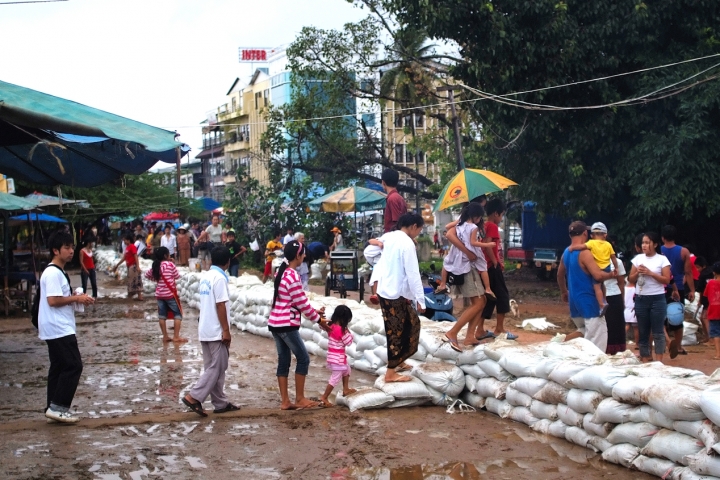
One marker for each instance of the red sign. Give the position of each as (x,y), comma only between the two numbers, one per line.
(253,55)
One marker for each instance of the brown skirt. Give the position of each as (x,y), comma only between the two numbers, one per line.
(183,255)
(402,329)
(134,280)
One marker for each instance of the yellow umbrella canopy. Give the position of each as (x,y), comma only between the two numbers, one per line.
(350,199)
(468,184)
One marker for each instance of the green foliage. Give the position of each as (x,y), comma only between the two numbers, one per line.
(632,166)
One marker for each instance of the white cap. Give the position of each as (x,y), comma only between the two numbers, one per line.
(598,227)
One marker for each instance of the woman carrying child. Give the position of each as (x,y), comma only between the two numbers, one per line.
(163,272)
(339,337)
(289,303)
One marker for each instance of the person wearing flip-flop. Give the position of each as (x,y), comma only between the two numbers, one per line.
(339,337)
(288,305)
(466,261)
(399,288)
(214,336)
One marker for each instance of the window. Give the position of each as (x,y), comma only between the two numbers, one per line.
(368,119)
(398,119)
(398,153)
(409,157)
(419,119)
(258,96)
(421,158)
(234,104)
(266,96)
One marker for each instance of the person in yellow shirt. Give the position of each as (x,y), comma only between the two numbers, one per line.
(272,245)
(603,254)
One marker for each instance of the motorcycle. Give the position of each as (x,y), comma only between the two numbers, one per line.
(438,306)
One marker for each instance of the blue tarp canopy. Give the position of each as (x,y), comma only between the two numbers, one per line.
(40,217)
(53,141)
(208,204)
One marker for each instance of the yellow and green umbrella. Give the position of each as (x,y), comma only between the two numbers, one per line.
(468,184)
(350,199)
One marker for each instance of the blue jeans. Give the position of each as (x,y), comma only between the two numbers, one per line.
(168,303)
(287,342)
(650,311)
(234,270)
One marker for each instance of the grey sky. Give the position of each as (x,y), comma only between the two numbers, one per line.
(162,62)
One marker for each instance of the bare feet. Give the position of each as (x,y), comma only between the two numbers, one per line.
(349,391)
(392,377)
(306,403)
(179,340)
(403,367)
(288,406)
(167,339)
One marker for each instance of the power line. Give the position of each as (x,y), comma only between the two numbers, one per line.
(32,1)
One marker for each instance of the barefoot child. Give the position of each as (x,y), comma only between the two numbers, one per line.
(712,293)
(163,272)
(339,337)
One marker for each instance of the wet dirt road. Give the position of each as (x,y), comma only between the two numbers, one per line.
(134,426)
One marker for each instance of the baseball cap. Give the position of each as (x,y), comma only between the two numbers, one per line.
(577,228)
(598,227)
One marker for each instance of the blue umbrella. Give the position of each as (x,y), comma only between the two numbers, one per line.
(39,217)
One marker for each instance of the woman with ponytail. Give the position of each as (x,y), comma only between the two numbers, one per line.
(289,303)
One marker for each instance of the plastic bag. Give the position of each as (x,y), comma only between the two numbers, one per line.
(492,368)
(402,390)
(676,400)
(491,387)
(659,467)
(638,434)
(710,404)
(552,393)
(569,416)
(597,429)
(583,401)
(443,377)
(529,385)
(600,379)
(522,415)
(544,410)
(500,408)
(545,366)
(623,454)
(672,445)
(704,464)
(610,410)
(517,398)
(519,364)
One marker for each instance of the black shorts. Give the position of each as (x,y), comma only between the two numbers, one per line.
(669,300)
(498,287)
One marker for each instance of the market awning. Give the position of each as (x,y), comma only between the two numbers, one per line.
(36,217)
(53,141)
(13,203)
(51,201)
(207,203)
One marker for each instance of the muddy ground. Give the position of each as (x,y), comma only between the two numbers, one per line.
(135,427)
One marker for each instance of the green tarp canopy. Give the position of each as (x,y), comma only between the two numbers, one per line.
(12,203)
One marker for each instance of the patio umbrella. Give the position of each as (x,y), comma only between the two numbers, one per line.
(350,199)
(160,216)
(37,217)
(468,184)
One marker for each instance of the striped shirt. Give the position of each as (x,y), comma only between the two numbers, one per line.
(291,302)
(337,341)
(167,270)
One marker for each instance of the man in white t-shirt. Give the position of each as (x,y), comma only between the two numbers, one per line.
(56,325)
(289,237)
(169,241)
(214,336)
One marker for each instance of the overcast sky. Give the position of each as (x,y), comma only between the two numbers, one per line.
(161,62)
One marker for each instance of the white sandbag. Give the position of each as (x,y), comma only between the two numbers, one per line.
(704,430)
(672,445)
(629,389)
(491,387)
(583,401)
(472,356)
(564,371)
(493,369)
(473,399)
(470,383)
(676,400)
(623,454)
(558,429)
(517,398)
(569,416)
(474,371)
(352,352)
(372,359)
(575,349)
(366,343)
(446,352)
(501,408)
(364,399)
(552,393)
(710,404)
(610,410)
(656,417)
(519,364)
(318,336)
(402,390)
(600,444)
(544,410)
(638,434)
(439,398)
(529,385)
(433,337)
(420,355)
(597,429)
(522,415)
(446,378)
(659,467)
(409,402)
(545,366)
(494,349)
(306,334)
(542,426)
(380,352)
(380,339)
(704,464)
(364,366)
(686,473)
(600,379)
(578,436)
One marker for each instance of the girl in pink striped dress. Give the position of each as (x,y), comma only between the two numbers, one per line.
(339,337)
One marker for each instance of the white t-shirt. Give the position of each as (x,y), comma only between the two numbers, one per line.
(141,247)
(398,270)
(213,289)
(54,322)
(215,233)
(655,264)
(169,243)
(288,238)
(611,286)
(630,305)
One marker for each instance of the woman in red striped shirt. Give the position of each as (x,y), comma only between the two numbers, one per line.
(289,303)
(163,272)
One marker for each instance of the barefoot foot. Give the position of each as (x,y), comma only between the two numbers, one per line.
(179,340)
(288,406)
(167,339)
(349,391)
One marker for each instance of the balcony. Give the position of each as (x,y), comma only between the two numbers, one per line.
(227,115)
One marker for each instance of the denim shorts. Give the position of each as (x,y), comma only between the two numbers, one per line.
(714,328)
(168,303)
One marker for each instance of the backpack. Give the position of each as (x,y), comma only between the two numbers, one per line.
(35,310)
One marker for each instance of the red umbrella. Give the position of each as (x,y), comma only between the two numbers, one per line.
(160,216)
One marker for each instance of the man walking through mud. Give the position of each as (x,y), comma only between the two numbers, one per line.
(56,325)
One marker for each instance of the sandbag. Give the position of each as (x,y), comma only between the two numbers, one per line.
(497,348)
(439,398)
(600,379)
(629,389)
(529,385)
(472,356)
(408,402)
(542,426)
(686,473)
(501,408)
(443,377)
(372,359)
(517,398)
(583,401)
(610,410)
(676,400)
(402,390)
(672,445)
(705,431)
(494,369)
(446,352)
(704,464)
(364,399)
(380,352)
(564,371)
(575,349)
(491,387)
(578,436)
(473,399)
(552,393)
(545,366)
(519,363)
(470,383)
(364,366)
(598,429)
(474,370)
(569,416)
(623,454)
(380,339)
(365,343)
(638,434)
(558,429)
(522,415)
(600,444)
(544,410)
(710,404)
(659,467)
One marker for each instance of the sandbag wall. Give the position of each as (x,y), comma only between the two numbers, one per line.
(106,258)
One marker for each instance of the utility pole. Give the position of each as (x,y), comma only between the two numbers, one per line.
(456,125)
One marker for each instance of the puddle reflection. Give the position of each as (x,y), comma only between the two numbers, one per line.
(446,471)
(171,371)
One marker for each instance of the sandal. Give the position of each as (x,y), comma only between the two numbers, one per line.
(511,336)
(403,367)
(440,291)
(324,404)
(487,334)
(453,344)
(228,408)
(374,300)
(673,348)
(195,407)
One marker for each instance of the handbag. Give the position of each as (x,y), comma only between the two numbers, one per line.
(455,279)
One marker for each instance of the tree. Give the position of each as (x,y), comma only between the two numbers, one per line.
(632,164)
